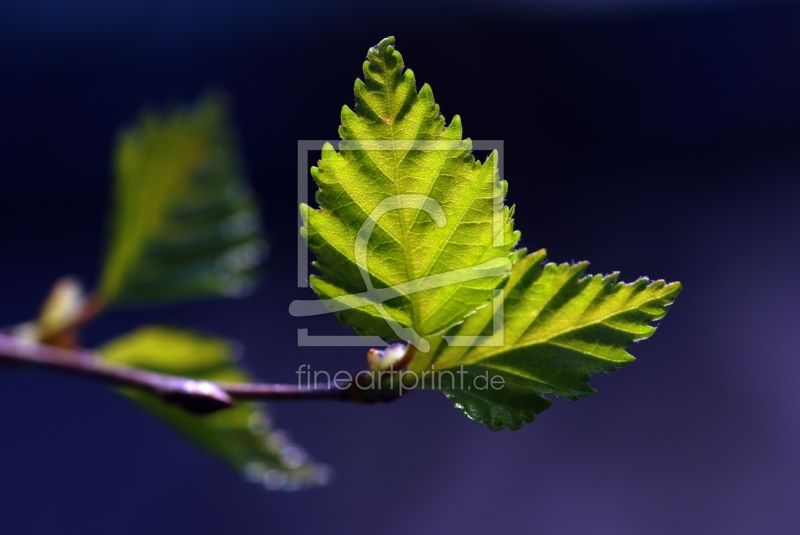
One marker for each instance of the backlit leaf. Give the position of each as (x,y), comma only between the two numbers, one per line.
(559,328)
(411,234)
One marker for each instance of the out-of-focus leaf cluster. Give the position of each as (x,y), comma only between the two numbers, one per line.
(184,224)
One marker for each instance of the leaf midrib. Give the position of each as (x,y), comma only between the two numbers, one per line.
(403,229)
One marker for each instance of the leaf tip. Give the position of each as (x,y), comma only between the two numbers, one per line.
(381,55)
(384,43)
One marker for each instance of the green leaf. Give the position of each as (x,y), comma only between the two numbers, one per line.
(559,329)
(241,436)
(411,235)
(184,222)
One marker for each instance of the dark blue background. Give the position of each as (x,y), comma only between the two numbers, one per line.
(657,139)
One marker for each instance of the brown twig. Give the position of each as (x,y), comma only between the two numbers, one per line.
(195,395)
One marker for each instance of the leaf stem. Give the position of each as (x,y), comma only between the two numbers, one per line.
(198,396)
(408,356)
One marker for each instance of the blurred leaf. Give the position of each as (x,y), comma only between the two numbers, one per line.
(184,222)
(242,436)
(559,329)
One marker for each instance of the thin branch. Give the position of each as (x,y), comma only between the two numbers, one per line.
(192,394)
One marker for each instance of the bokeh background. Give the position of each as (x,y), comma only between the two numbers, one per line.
(657,138)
